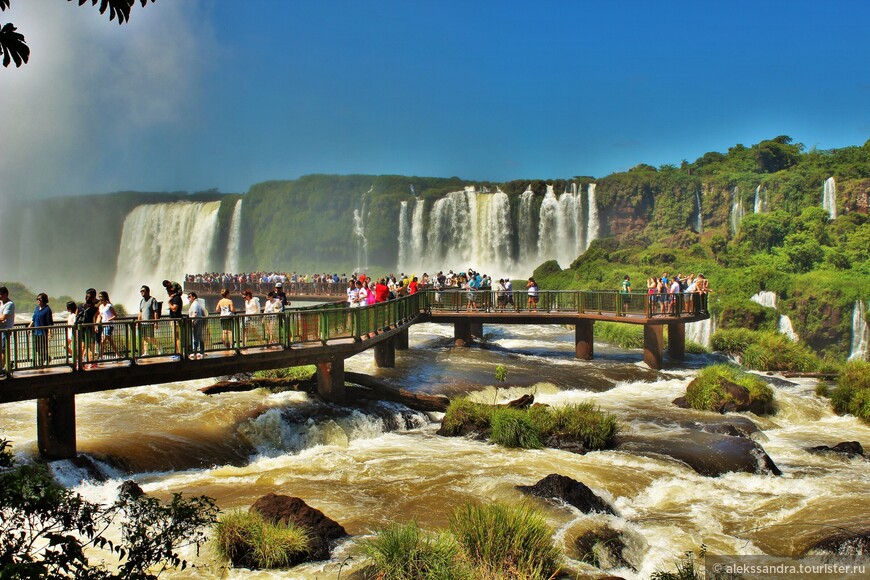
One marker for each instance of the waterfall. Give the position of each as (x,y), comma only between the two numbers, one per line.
(701,332)
(760,200)
(359,230)
(231,264)
(829,197)
(164,241)
(551,227)
(699,223)
(418,240)
(736,211)
(404,228)
(593,227)
(783,323)
(860,332)
(527,233)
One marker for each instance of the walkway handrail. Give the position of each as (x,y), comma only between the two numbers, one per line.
(128,341)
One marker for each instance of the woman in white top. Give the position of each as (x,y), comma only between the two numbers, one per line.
(273,306)
(352,295)
(252,306)
(107,314)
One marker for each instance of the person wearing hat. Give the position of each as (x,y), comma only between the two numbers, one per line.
(281,295)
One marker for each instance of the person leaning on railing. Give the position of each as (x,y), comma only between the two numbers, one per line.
(41,324)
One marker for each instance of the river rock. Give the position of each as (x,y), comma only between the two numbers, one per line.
(846,447)
(844,544)
(733,426)
(603,548)
(286,509)
(570,491)
(523,402)
(709,454)
(130,489)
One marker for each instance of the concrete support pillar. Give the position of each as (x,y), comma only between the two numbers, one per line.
(402,340)
(385,354)
(583,339)
(653,345)
(462,333)
(330,381)
(56,426)
(476,329)
(677,340)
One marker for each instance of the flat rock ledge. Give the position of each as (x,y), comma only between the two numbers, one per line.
(564,489)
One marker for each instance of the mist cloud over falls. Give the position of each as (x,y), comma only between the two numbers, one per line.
(79,115)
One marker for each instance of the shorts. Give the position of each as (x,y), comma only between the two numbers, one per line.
(533,299)
(227,324)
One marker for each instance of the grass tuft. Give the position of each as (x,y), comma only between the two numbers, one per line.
(852,393)
(707,392)
(246,539)
(404,551)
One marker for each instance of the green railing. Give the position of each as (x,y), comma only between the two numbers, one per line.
(129,340)
(569,301)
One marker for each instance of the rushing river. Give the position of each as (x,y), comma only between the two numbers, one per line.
(366,468)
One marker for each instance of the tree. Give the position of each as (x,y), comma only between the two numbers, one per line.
(14,48)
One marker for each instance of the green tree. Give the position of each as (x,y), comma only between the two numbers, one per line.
(14,48)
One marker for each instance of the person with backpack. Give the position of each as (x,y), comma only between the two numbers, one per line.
(148,310)
(89,335)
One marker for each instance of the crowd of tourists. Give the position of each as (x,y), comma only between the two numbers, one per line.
(663,291)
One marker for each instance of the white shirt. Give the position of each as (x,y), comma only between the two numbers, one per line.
(252,306)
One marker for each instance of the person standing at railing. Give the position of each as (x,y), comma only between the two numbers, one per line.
(147,312)
(7,321)
(509,292)
(175,306)
(281,295)
(272,307)
(196,315)
(41,324)
(500,296)
(382,291)
(106,315)
(532,288)
(226,309)
(86,316)
(252,307)
(626,294)
(71,310)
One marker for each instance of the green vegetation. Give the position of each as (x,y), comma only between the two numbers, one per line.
(46,528)
(529,428)
(687,568)
(300,373)
(852,393)
(709,392)
(482,543)
(247,540)
(767,351)
(404,551)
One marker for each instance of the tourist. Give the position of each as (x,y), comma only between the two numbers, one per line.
(226,309)
(148,310)
(674,296)
(105,316)
(626,293)
(41,324)
(196,315)
(472,296)
(501,296)
(272,307)
(7,321)
(532,289)
(71,310)
(352,294)
(413,286)
(252,307)
(281,295)
(175,306)
(509,292)
(88,333)
(362,293)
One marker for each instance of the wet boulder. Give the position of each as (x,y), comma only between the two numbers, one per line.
(846,448)
(293,510)
(843,543)
(604,548)
(570,491)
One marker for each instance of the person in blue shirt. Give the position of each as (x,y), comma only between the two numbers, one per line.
(41,324)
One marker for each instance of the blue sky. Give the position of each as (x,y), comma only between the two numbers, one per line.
(195,94)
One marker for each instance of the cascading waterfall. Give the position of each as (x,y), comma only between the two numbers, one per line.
(528,234)
(783,323)
(829,198)
(699,222)
(593,227)
(736,211)
(760,200)
(231,264)
(359,230)
(860,332)
(552,227)
(164,241)
(701,332)
(404,228)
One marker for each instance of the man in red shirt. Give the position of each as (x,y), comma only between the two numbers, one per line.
(381,291)
(412,285)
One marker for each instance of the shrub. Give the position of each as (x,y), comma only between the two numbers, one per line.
(622,335)
(687,568)
(301,373)
(406,552)
(464,410)
(693,347)
(502,541)
(514,428)
(585,422)
(733,340)
(776,352)
(852,393)
(707,392)
(246,539)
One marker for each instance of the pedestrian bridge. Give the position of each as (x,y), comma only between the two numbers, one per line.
(52,367)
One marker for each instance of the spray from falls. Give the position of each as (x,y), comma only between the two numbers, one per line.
(760,200)
(860,332)
(593,227)
(526,226)
(701,332)
(829,198)
(164,241)
(231,264)
(404,228)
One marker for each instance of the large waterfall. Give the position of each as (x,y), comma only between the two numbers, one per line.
(164,241)
(475,229)
(783,323)
(701,332)
(829,198)
(760,199)
(360,218)
(736,211)
(231,264)
(860,332)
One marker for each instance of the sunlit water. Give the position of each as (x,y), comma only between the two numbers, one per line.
(383,463)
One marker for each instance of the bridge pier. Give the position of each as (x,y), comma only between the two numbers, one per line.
(653,345)
(56,426)
(583,339)
(677,340)
(476,329)
(385,354)
(330,381)
(462,333)
(402,340)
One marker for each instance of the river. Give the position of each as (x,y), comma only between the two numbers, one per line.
(368,468)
